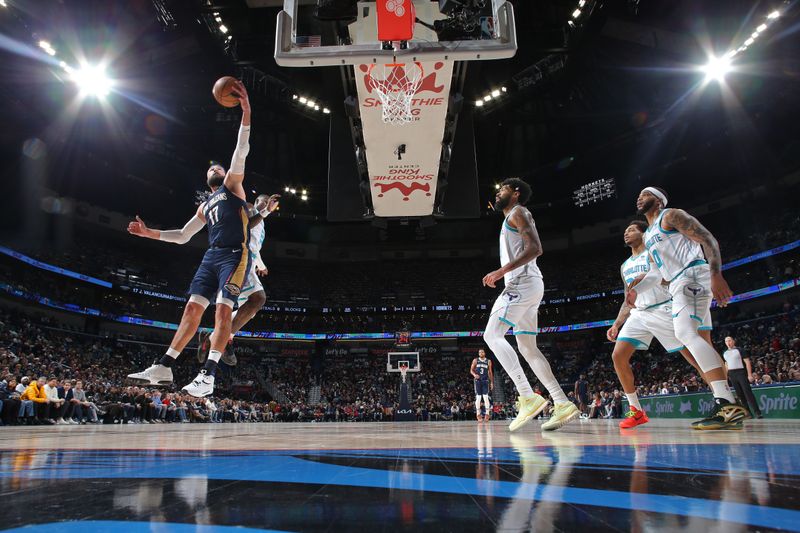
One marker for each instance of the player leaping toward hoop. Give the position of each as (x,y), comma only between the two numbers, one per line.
(224,267)
(687,255)
(252,297)
(482,373)
(518,307)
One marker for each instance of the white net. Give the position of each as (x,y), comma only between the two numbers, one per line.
(396,89)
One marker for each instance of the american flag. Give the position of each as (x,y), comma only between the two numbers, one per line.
(308,41)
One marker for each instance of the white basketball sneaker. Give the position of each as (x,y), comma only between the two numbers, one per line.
(154,375)
(201,386)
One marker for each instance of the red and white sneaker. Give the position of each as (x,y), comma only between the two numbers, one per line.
(634,418)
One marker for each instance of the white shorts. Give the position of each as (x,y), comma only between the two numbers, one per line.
(644,324)
(518,305)
(251,286)
(691,293)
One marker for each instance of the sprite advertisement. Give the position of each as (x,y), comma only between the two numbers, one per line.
(776,401)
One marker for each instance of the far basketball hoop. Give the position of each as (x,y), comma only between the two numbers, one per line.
(396,84)
(403,371)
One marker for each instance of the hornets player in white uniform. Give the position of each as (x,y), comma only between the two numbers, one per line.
(636,326)
(686,255)
(252,297)
(518,307)
(481,370)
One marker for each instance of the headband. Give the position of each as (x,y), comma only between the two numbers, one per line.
(658,194)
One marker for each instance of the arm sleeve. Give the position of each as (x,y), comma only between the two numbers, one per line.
(183,235)
(241,151)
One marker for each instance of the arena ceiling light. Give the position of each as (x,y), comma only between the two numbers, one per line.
(717,68)
(92,80)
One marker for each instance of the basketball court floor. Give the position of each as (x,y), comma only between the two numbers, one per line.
(429,476)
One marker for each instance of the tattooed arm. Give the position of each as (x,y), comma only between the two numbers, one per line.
(522,221)
(694,230)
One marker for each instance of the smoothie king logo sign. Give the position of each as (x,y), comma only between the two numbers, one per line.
(403,181)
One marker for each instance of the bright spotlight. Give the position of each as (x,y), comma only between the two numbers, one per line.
(286,189)
(223,28)
(496,93)
(576,13)
(487,97)
(761,28)
(293,191)
(478,103)
(310,103)
(497,186)
(717,67)
(92,80)
(749,41)
(304,192)
(774,15)
(326,110)
(3,3)
(304,197)
(303,100)
(503,89)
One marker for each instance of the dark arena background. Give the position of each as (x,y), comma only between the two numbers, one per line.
(351,400)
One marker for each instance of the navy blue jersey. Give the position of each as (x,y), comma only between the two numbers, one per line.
(482,369)
(226,217)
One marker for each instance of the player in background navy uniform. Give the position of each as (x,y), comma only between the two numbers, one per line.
(224,268)
(481,371)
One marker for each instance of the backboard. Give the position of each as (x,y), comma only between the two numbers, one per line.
(403,153)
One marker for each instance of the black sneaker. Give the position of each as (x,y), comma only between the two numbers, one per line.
(726,415)
(228,357)
(203,346)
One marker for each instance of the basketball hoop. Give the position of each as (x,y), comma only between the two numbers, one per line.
(403,371)
(396,89)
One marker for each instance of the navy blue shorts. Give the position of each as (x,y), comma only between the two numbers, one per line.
(481,387)
(222,271)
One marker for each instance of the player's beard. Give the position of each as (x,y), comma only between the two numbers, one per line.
(215,181)
(501,203)
(646,207)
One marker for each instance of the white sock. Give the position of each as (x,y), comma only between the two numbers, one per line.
(173,353)
(633,400)
(478,404)
(541,367)
(486,403)
(720,390)
(214,355)
(494,335)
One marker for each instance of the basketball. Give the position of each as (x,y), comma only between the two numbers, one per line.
(222,91)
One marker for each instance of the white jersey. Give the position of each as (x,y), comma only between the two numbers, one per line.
(511,246)
(631,269)
(672,251)
(257,235)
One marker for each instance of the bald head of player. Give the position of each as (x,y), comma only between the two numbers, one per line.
(651,199)
(215,176)
(634,233)
(512,191)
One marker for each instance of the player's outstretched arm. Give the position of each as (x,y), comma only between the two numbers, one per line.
(622,316)
(177,236)
(522,221)
(263,210)
(694,230)
(235,176)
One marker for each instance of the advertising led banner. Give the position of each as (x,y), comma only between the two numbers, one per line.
(786,285)
(775,401)
(403,160)
(58,270)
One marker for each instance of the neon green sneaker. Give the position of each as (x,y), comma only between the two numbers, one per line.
(563,412)
(527,409)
